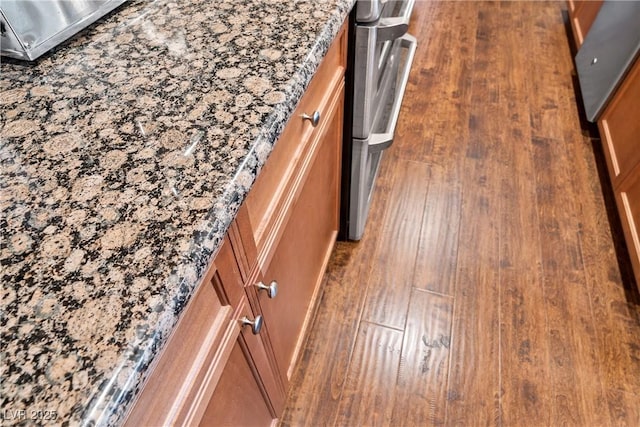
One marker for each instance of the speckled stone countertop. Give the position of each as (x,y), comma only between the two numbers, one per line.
(125,154)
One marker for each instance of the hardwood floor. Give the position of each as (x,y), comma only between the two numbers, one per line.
(490,287)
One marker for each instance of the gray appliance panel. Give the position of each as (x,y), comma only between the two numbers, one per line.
(612,44)
(32,27)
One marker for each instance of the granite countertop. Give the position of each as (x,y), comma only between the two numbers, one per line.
(124,156)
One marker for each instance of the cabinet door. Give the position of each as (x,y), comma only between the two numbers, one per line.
(244,395)
(209,359)
(238,400)
(620,128)
(583,13)
(187,369)
(628,198)
(300,258)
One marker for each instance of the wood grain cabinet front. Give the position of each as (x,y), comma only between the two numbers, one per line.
(291,216)
(299,259)
(247,392)
(619,128)
(238,400)
(207,338)
(628,200)
(582,14)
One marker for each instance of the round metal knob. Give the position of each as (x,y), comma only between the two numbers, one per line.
(256,324)
(594,61)
(314,118)
(272,289)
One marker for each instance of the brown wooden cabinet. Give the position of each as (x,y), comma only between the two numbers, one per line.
(619,128)
(238,400)
(289,221)
(582,14)
(214,370)
(628,200)
(302,252)
(246,393)
(183,381)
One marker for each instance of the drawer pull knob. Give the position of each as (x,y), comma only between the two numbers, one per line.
(272,289)
(256,324)
(314,118)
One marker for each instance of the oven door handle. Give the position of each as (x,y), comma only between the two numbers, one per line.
(381,141)
(394,27)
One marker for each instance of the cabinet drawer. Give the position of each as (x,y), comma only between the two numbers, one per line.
(265,203)
(620,127)
(628,199)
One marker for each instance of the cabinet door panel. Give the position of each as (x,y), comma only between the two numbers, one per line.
(628,199)
(238,399)
(180,379)
(620,128)
(301,255)
(583,13)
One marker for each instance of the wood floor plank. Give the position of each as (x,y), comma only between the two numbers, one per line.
(374,369)
(624,408)
(438,244)
(440,86)
(389,286)
(524,345)
(577,392)
(577,389)
(473,396)
(424,364)
(473,390)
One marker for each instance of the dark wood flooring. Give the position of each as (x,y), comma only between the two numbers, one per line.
(490,287)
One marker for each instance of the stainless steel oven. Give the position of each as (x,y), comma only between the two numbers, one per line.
(381,54)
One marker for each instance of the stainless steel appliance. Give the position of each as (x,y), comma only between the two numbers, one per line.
(29,28)
(381,53)
(608,51)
